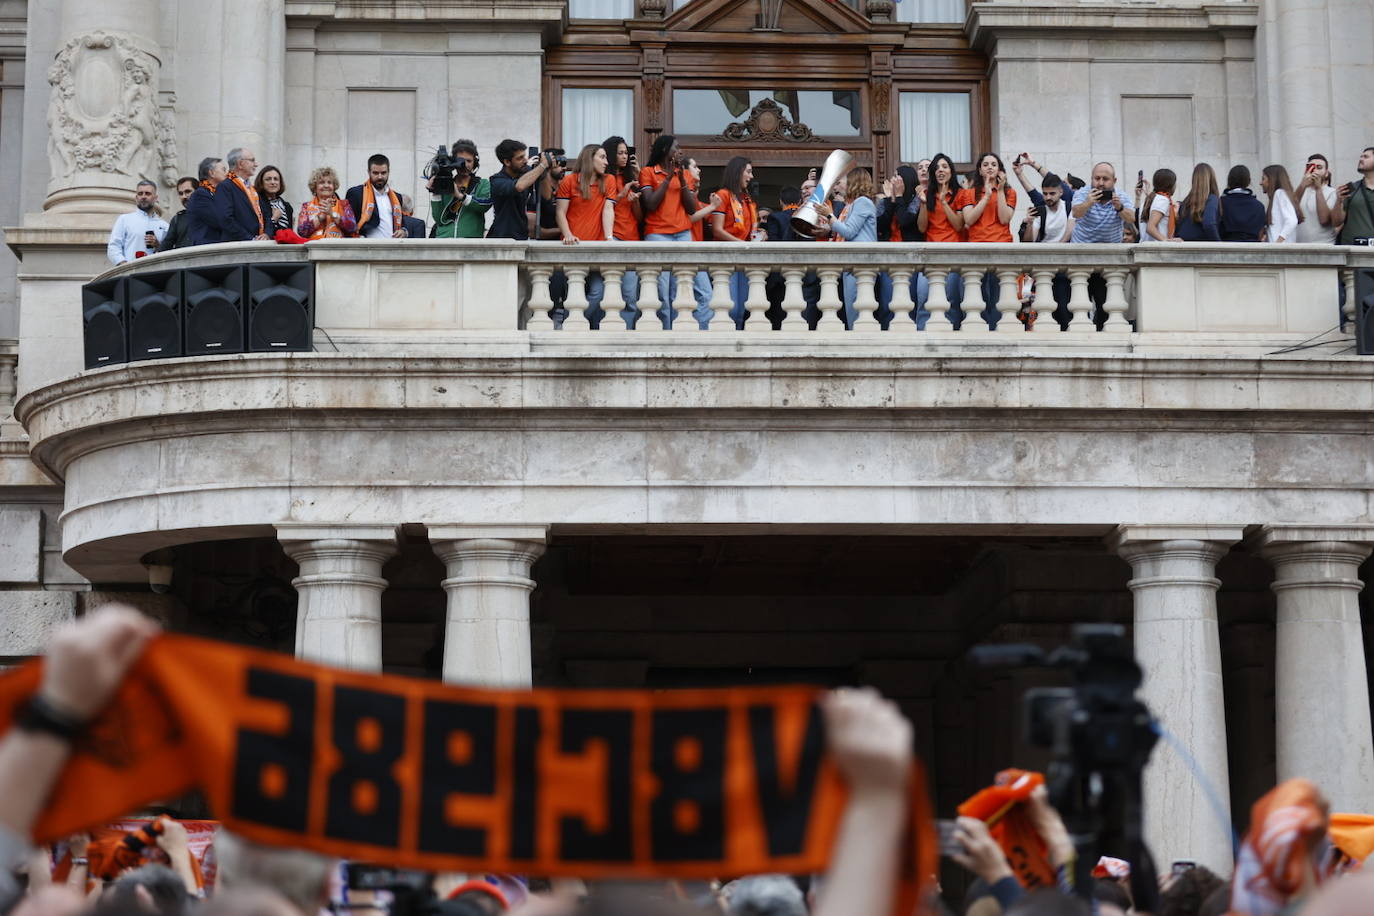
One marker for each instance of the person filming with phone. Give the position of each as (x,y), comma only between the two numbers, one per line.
(1317,201)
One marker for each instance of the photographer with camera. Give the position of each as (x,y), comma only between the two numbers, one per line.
(510,189)
(459,198)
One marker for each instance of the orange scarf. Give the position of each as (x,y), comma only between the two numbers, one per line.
(370,206)
(1275,857)
(208,185)
(252,194)
(431,776)
(1000,806)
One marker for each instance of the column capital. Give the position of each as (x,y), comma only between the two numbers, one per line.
(1126,536)
(295,532)
(538,533)
(1271,539)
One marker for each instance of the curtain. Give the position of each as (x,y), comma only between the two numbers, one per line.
(935,122)
(605,9)
(592,115)
(930,11)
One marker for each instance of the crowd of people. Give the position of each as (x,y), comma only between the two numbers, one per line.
(604,194)
(1287,863)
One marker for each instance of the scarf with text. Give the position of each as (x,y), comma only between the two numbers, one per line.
(1002,807)
(252,194)
(1282,851)
(424,775)
(370,207)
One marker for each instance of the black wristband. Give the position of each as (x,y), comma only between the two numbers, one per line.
(38,715)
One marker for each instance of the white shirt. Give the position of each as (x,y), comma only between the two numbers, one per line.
(1056,221)
(383,228)
(1158,204)
(1311,228)
(127,238)
(1283,219)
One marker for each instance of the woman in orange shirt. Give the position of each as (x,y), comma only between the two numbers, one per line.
(621,164)
(586,212)
(987,208)
(735,221)
(940,221)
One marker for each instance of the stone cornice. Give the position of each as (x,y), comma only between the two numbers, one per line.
(175,398)
(988,21)
(547,16)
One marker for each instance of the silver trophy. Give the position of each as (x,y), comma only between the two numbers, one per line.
(836,164)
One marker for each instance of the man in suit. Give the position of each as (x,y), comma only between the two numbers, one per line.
(376,205)
(239,205)
(204,211)
(413,225)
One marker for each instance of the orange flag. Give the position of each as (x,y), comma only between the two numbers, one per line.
(1353,835)
(419,774)
(1001,806)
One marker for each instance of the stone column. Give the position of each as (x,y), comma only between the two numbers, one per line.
(1177,644)
(339,604)
(487,632)
(1321,693)
(105,130)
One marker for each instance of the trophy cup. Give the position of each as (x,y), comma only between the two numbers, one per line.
(836,164)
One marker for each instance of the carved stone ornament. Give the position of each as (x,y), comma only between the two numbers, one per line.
(767,123)
(652,9)
(103,115)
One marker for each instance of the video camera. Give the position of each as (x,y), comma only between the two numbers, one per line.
(411,892)
(1101,737)
(560,156)
(443,170)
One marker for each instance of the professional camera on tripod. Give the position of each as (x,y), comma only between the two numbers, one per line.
(1101,737)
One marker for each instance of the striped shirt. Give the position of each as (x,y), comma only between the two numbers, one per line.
(1102,222)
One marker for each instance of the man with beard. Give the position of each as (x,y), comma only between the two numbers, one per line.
(139,230)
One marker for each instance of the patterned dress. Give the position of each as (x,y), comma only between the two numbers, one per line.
(320,222)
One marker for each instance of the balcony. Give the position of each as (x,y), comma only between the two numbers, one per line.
(439,393)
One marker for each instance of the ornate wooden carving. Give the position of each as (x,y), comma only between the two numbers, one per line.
(653,104)
(768,123)
(652,9)
(881,92)
(880,10)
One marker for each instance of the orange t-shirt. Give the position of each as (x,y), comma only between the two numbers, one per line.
(626,226)
(741,215)
(670,218)
(988,228)
(584,214)
(938,228)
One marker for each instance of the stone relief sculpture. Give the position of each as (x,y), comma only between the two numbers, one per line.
(103,114)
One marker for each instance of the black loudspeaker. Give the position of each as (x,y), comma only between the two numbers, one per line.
(281,307)
(102,323)
(1364,311)
(213,310)
(155,315)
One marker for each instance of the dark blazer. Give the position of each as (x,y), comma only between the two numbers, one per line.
(178,232)
(355,200)
(414,227)
(906,221)
(205,217)
(240,223)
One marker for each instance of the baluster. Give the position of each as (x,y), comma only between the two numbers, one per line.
(721,302)
(902,305)
(865,302)
(540,301)
(830,304)
(1348,310)
(793,302)
(1116,304)
(756,302)
(1080,303)
(685,300)
(647,319)
(937,303)
(576,302)
(1008,299)
(1044,304)
(612,299)
(973,300)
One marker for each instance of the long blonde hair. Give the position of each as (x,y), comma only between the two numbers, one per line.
(860,185)
(585,167)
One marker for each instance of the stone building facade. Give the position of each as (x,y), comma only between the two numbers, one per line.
(450,487)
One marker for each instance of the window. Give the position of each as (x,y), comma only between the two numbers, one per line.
(592,115)
(601,9)
(935,122)
(926,11)
(709,111)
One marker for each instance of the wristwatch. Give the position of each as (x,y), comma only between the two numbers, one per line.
(37,715)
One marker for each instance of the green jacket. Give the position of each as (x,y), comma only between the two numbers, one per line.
(471,222)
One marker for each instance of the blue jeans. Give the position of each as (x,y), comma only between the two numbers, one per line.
(701,284)
(920,289)
(954,292)
(596,291)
